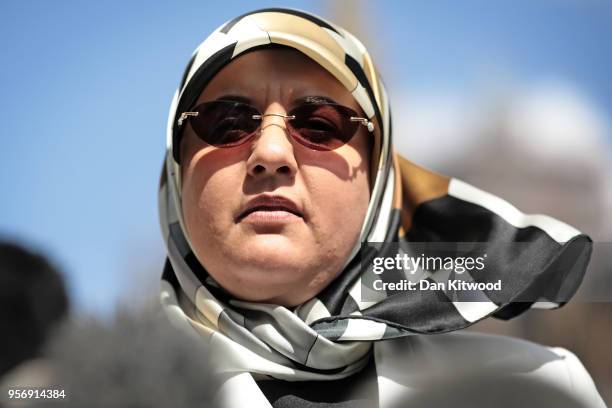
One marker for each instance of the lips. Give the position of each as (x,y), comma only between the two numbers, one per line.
(269,203)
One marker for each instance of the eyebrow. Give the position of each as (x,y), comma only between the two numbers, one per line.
(314,99)
(311,99)
(235,98)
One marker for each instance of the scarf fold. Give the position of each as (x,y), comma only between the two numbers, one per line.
(331,335)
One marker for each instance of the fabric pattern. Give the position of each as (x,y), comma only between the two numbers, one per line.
(331,335)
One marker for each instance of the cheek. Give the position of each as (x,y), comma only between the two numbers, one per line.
(208,193)
(339,202)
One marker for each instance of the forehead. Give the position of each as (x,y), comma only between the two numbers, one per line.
(276,73)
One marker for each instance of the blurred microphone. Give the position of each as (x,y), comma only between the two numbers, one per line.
(135,360)
(33,301)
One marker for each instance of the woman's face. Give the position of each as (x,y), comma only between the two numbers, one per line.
(272,220)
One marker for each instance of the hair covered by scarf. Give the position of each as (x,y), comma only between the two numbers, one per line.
(330,336)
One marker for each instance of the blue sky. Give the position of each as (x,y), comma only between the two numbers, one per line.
(86,88)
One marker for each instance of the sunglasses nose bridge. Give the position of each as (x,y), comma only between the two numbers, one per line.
(274,119)
(274,114)
(267,136)
(282,119)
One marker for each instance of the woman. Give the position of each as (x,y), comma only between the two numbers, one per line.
(279,165)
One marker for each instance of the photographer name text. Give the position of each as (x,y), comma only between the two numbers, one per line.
(425,284)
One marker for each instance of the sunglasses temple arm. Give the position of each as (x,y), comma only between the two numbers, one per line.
(184,116)
(365,122)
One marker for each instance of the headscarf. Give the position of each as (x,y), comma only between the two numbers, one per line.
(331,335)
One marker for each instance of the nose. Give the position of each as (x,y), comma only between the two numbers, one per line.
(272,152)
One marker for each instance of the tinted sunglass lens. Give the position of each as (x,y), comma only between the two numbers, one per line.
(323,126)
(224,123)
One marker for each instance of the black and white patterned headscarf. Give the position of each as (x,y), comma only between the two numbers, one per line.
(332,335)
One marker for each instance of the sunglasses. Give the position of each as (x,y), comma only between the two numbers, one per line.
(319,126)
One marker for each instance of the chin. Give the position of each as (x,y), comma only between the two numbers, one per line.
(268,272)
(273,249)
(271,268)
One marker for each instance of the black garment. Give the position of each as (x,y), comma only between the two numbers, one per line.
(357,391)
